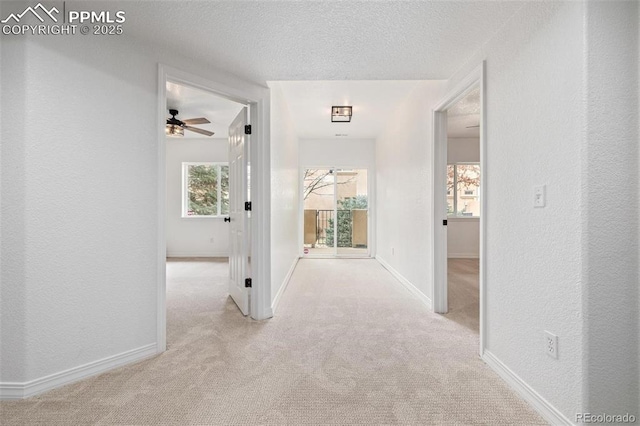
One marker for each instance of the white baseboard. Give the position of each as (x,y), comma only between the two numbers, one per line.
(196,254)
(284,285)
(405,282)
(44,384)
(463,256)
(541,405)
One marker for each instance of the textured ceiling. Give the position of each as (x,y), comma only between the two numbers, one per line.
(327,40)
(462,115)
(194,103)
(373,103)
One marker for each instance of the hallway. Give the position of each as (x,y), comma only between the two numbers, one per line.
(348,345)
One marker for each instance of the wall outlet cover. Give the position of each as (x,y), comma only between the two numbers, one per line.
(539,196)
(551,344)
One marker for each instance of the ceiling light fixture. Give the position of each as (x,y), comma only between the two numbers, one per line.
(174,130)
(341,114)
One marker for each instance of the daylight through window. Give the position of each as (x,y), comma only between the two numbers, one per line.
(205,189)
(463,190)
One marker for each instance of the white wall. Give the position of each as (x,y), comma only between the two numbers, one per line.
(551,121)
(80,206)
(463,234)
(463,150)
(463,238)
(191,236)
(533,264)
(284,193)
(403,187)
(610,251)
(339,152)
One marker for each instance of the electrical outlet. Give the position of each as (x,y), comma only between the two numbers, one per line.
(539,196)
(551,344)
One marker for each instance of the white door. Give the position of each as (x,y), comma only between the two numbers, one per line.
(238,195)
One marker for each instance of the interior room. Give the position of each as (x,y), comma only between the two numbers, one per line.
(464,184)
(96,327)
(197,203)
(199,230)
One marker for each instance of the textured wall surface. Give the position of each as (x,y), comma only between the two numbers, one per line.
(338,153)
(80,202)
(284,190)
(403,187)
(610,187)
(535,130)
(192,236)
(80,206)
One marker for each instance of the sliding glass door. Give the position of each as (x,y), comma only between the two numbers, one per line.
(335,212)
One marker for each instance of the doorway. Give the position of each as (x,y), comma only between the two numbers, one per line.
(335,212)
(460,199)
(241,139)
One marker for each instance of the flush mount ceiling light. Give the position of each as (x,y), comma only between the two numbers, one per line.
(341,114)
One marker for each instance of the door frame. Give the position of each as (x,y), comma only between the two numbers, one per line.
(370,214)
(476,78)
(258,103)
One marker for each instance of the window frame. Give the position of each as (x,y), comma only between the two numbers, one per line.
(185,189)
(454,193)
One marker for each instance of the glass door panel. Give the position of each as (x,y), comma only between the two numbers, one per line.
(352,211)
(319,211)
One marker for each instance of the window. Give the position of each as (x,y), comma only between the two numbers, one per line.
(463,190)
(205,189)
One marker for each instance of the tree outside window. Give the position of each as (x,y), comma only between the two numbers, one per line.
(463,190)
(206,189)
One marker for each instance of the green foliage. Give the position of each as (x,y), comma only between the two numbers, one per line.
(203,190)
(345,224)
(353,203)
(224,189)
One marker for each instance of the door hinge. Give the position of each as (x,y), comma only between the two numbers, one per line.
(247,206)
(247,129)
(444,222)
(247,282)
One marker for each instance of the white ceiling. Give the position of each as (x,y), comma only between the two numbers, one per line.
(373,103)
(194,103)
(322,40)
(462,115)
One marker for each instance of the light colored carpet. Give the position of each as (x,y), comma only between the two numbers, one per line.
(349,345)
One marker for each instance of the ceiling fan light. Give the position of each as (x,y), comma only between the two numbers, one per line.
(174,130)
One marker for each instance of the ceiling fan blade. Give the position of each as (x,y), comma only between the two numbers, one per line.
(473,127)
(200,120)
(201,131)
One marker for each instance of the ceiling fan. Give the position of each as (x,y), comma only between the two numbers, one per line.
(473,127)
(176,127)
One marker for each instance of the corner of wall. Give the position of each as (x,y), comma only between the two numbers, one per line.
(611,228)
(284,191)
